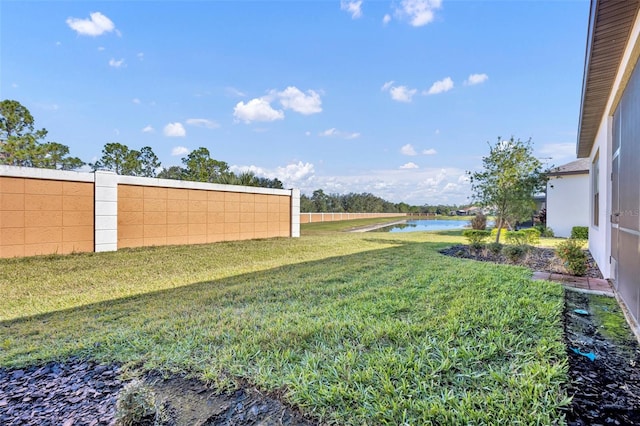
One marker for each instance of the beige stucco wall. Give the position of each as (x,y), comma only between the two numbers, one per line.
(149,216)
(42,216)
(331,217)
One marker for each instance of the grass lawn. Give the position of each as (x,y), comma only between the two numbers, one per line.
(353,328)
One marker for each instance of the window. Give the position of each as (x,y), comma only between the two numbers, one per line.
(595,177)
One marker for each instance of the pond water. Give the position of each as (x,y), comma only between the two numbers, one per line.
(425,225)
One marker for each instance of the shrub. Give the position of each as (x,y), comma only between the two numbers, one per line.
(544,231)
(532,235)
(580,232)
(494,232)
(518,238)
(574,258)
(475,236)
(494,248)
(479,222)
(514,253)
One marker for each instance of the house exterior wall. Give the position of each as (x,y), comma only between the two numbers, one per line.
(600,235)
(52,211)
(567,203)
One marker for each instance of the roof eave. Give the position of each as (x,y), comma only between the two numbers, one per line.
(604,52)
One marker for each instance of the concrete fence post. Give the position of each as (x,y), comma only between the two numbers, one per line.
(295,213)
(106,211)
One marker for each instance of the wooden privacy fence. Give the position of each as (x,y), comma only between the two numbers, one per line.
(46,211)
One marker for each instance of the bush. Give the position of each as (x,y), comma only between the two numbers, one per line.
(475,236)
(544,231)
(518,238)
(494,248)
(494,232)
(479,222)
(580,232)
(514,253)
(574,258)
(532,235)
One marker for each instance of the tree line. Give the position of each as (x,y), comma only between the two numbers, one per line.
(21,144)
(320,202)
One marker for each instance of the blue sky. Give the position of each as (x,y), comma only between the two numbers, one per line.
(397,98)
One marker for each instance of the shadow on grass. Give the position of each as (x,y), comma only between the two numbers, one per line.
(319,287)
(346,337)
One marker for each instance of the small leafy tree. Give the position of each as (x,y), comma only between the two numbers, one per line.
(510,178)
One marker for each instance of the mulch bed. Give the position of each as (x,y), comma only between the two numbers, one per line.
(537,259)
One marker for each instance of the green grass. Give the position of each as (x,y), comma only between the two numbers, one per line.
(345,225)
(365,328)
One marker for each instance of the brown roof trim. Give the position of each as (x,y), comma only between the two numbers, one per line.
(610,23)
(573,172)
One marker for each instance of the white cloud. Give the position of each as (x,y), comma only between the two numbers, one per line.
(307,133)
(398,93)
(100,49)
(202,122)
(116,64)
(148,129)
(402,93)
(429,151)
(175,130)
(386,19)
(418,12)
(293,175)
(476,79)
(96,25)
(450,187)
(257,109)
(14,85)
(136,101)
(235,93)
(409,165)
(58,43)
(408,149)
(140,55)
(388,85)
(335,133)
(464,179)
(413,186)
(440,86)
(352,7)
(293,98)
(179,150)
